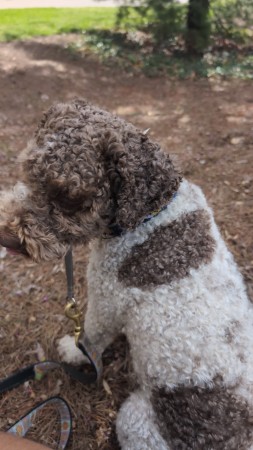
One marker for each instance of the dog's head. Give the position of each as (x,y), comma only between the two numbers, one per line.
(86,173)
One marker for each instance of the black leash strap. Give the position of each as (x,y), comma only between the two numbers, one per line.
(38,370)
(69,274)
(17,378)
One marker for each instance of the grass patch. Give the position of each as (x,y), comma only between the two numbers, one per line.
(25,23)
(134,46)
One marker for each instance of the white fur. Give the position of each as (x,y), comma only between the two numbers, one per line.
(136,426)
(10,199)
(176,332)
(69,352)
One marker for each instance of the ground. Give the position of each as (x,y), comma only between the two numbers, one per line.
(206,125)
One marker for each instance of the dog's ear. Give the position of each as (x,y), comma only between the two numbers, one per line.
(141,176)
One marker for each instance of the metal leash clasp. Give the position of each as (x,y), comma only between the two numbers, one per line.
(72,312)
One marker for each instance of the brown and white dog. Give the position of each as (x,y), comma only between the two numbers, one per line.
(166,280)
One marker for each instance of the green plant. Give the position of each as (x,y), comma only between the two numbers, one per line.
(162,20)
(128,52)
(233,19)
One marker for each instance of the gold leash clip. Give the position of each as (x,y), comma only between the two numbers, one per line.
(72,312)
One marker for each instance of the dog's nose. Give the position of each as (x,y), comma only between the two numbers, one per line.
(12,243)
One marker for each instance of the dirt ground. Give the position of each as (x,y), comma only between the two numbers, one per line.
(205,124)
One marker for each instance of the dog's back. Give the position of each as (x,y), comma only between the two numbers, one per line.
(183,307)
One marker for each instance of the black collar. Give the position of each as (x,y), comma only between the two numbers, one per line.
(116,230)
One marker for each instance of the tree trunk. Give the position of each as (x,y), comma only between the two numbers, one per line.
(198,26)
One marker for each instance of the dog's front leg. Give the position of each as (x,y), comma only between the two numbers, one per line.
(102,323)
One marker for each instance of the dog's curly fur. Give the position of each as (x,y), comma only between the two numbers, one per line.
(169,283)
(86,170)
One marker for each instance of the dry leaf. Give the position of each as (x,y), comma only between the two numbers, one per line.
(107,387)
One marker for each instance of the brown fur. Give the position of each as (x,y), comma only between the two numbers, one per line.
(94,159)
(193,418)
(87,170)
(170,252)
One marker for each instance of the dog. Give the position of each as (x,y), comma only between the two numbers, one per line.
(159,271)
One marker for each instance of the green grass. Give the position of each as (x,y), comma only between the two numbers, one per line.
(123,47)
(25,23)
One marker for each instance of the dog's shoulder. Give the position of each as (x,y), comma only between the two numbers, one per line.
(177,240)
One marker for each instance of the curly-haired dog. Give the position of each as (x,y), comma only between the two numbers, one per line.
(166,280)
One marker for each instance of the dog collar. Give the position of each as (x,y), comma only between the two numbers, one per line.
(117,230)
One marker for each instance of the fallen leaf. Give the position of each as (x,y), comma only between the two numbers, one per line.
(107,387)
(184,119)
(237,140)
(40,352)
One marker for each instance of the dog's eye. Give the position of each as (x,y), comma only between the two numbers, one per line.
(87,204)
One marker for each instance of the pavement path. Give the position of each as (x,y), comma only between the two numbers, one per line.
(11,4)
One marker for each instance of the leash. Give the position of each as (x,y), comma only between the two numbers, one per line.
(21,427)
(38,370)
(72,312)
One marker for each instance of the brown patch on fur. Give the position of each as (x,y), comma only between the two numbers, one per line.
(203,418)
(170,252)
